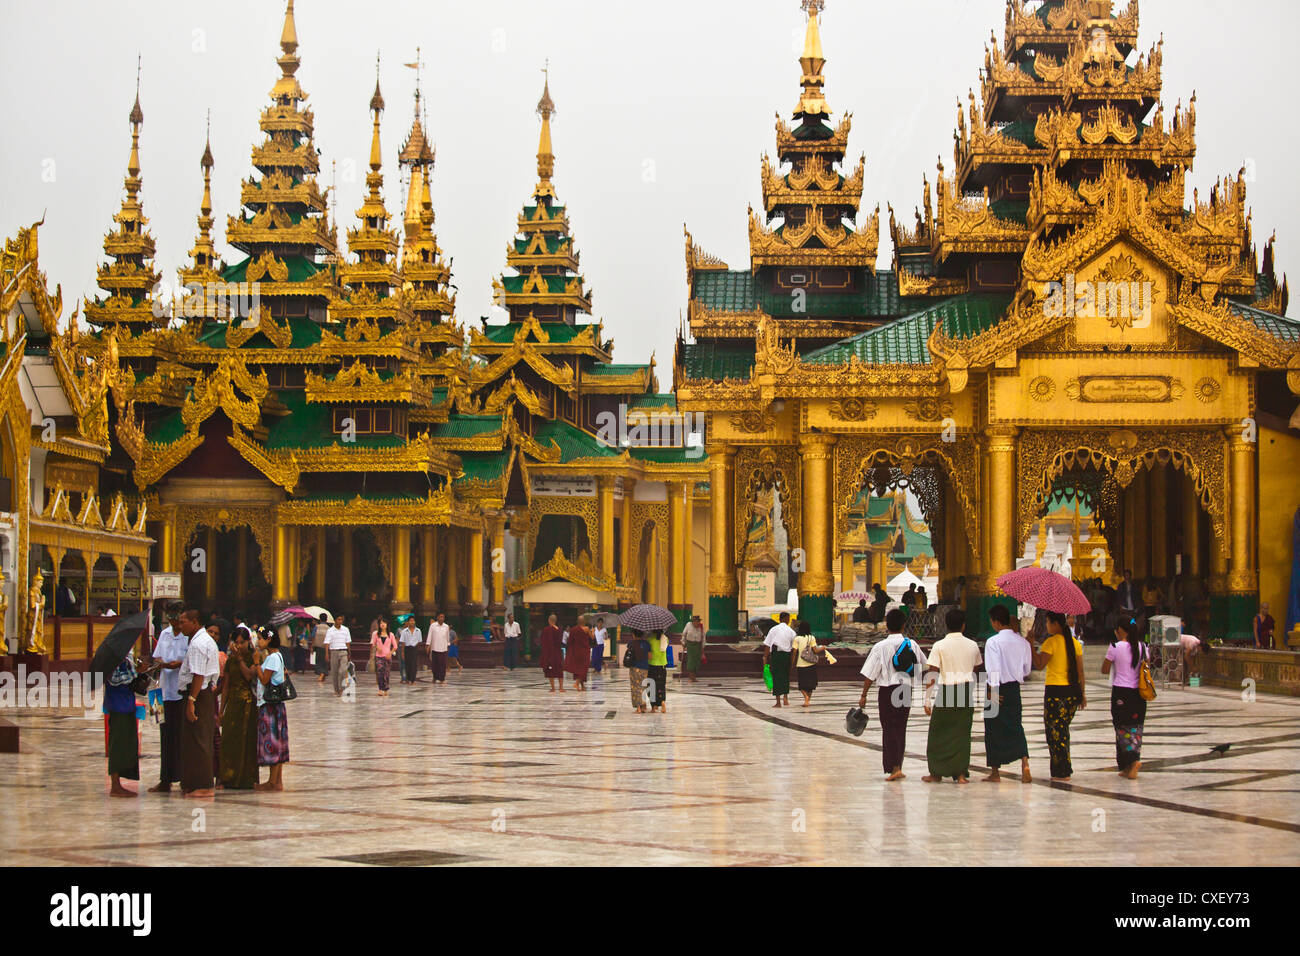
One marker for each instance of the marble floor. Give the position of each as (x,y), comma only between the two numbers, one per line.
(493,769)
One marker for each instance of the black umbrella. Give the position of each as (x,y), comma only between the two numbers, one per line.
(119,642)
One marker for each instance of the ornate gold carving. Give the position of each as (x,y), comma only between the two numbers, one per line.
(583,572)
(929,409)
(1124,389)
(1042,389)
(261,521)
(854,409)
(753,422)
(759,469)
(1208,389)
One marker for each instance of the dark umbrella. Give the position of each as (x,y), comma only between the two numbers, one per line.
(119,642)
(647,617)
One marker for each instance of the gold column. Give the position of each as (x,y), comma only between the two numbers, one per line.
(280,588)
(980,558)
(347,589)
(1243,578)
(1158,503)
(688,522)
(167,545)
(318,568)
(450,579)
(210,565)
(499,551)
(428,569)
(676,547)
(1191,529)
(402,568)
(295,561)
(605,523)
(653,593)
(241,561)
(625,539)
(476,595)
(1001,515)
(722,541)
(817,582)
(847,578)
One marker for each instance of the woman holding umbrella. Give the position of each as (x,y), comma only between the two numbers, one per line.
(123,729)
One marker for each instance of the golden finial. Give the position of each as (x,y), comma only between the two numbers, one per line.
(289,62)
(546,109)
(377,101)
(206,161)
(812,102)
(546,106)
(137,114)
(376,107)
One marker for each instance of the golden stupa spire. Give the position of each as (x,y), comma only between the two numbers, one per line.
(376,107)
(545,154)
(203,257)
(286,91)
(812,61)
(418,155)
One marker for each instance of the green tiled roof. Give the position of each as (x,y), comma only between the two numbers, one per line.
(903,342)
(879,299)
(467,426)
(304,333)
(881,534)
(555,211)
(552,243)
(1021,132)
(1011,210)
(555,284)
(1278,326)
(311,425)
(614,369)
(574,443)
(669,456)
(300,270)
(484,467)
(666,400)
(167,429)
(558,331)
(732,290)
(718,360)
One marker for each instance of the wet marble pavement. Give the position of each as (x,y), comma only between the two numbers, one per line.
(493,769)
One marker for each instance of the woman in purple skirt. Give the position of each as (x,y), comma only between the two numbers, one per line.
(272,720)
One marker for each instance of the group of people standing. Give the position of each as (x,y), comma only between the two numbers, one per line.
(576,650)
(332,643)
(948,675)
(219,722)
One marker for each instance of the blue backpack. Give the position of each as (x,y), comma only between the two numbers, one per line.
(905,658)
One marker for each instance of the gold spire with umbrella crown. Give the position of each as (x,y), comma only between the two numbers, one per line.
(545,154)
(203,256)
(812,102)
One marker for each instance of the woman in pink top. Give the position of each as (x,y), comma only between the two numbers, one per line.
(1128,711)
(383,644)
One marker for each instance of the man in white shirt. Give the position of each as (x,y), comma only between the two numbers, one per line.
(410,639)
(439,640)
(337,639)
(693,645)
(512,631)
(170,653)
(321,654)
(198,677)
(954,660)
(894,695)
(1008,659)
(776,656)
(599,634)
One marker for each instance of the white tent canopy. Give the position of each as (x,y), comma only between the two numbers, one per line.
(899,585)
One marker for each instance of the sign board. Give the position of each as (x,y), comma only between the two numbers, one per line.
(550,486)
(760,588)
(163,587)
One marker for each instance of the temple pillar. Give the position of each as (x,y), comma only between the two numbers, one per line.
(280,578)
(816,582)
(724,593)
(498,558)
(1001,528)
(347,588)
(676,549)
(319,587)
(295,562)
(626,537)
(472,617)
(1191,518)
(847,578)
(1243,575)
(428,570)
(1158,502)
(605,524)
(401,569)
(450,603)
(209,566)
(688,524)
(241,562)
(167,545)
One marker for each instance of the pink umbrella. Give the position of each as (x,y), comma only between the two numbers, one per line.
(1045,589)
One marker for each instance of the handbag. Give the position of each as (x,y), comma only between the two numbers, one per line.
(1146,683)
(628,658)
(279,693)
(140,685)
(808,653)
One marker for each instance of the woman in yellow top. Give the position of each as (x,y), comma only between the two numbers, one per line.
(1066,692)
(806,670)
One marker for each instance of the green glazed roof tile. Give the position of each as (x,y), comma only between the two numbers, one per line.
(1278,326)
(717,360)
(574,443)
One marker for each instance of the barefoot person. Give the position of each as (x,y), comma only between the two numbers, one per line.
(438,641)
(552,656)
(199,676)
(123,728)
(1008,659)
(777,648)
(892,664)
(169,653)
(578,659)
(272,721)
(954,660)
(1066,692)
(238,764)
(806,652)
(383,646)
(1128,711)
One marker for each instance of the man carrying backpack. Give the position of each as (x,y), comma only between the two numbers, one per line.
(892,665)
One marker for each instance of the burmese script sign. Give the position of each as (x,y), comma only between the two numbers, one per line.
(552,487)
(1099,389)
(760,589)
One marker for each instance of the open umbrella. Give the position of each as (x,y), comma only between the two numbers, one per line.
(315,611)
(647,617)
(1045,589)
(403,618)
(118,643)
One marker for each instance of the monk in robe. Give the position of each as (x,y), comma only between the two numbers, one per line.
(578,659)
(552,657)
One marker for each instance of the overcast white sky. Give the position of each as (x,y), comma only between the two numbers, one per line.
(665,110)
